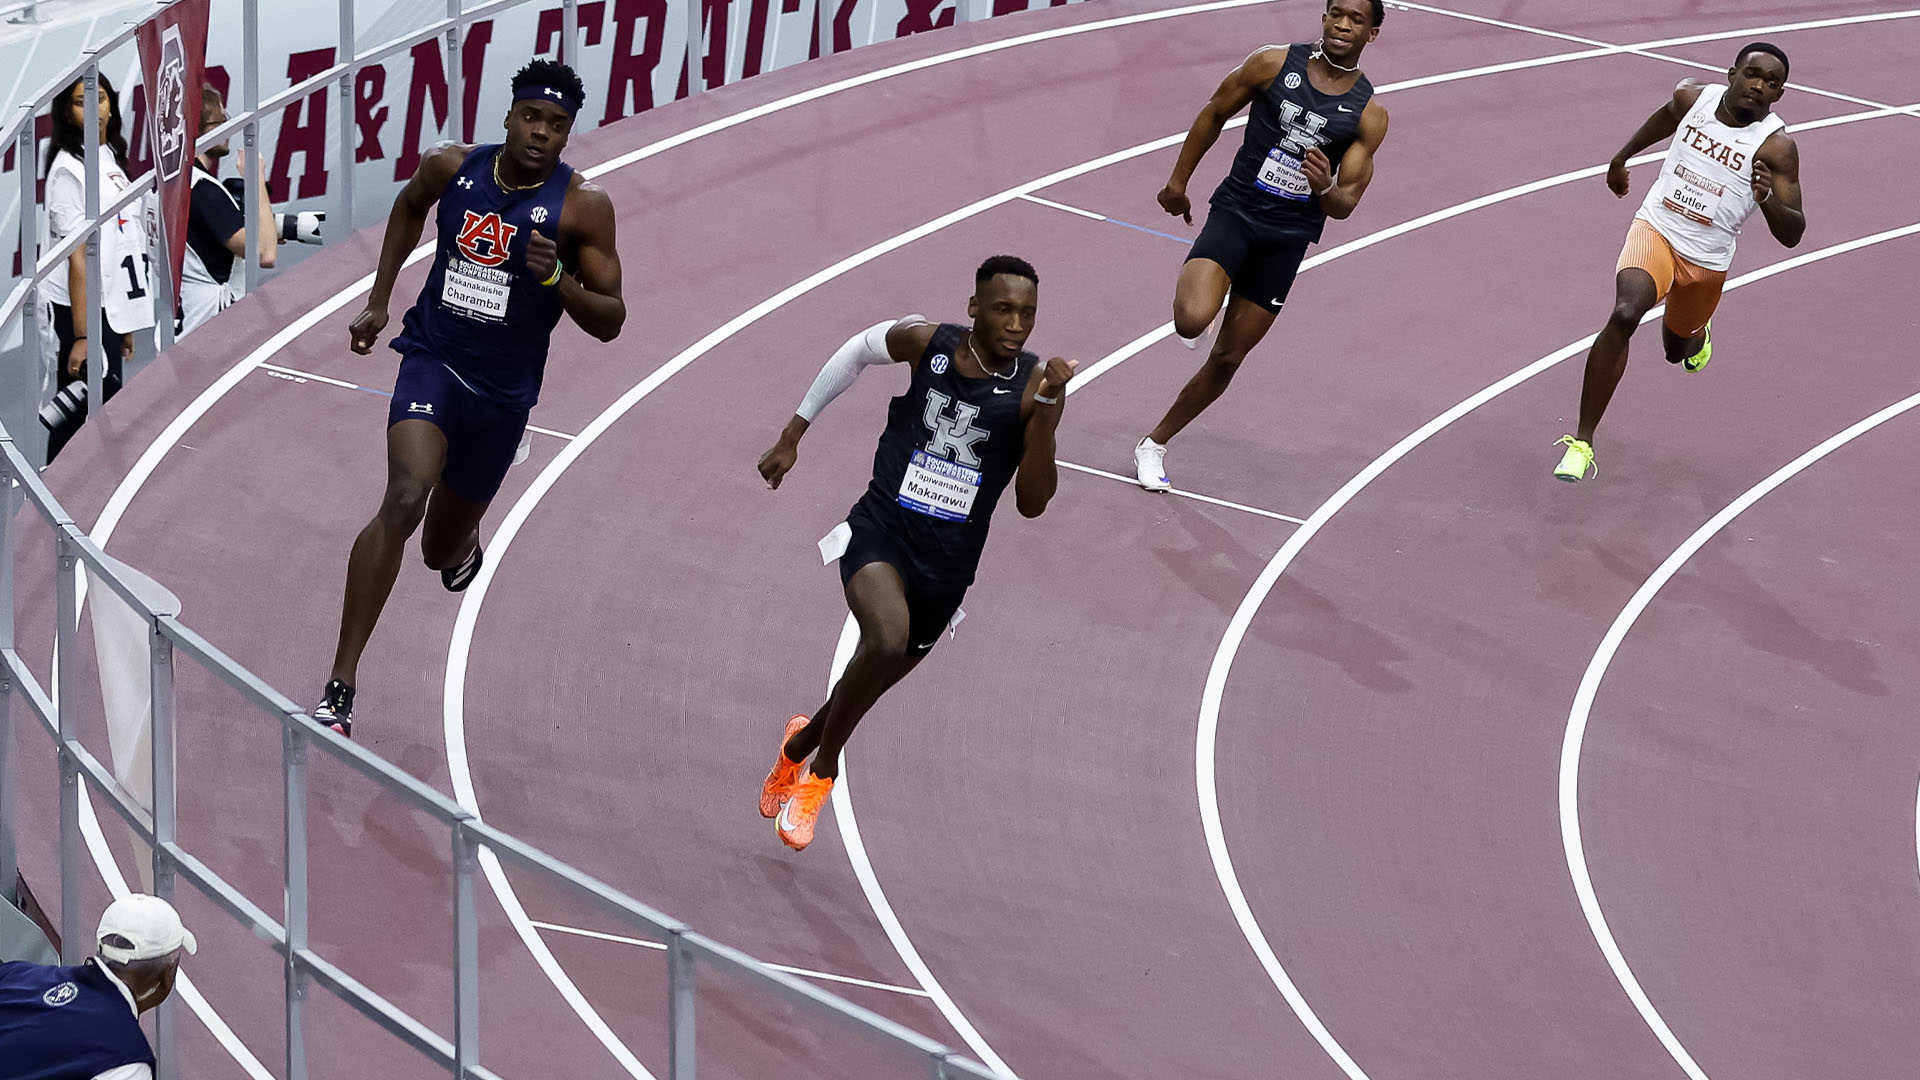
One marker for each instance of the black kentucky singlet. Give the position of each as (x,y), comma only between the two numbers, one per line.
(951,445)
(1267,184)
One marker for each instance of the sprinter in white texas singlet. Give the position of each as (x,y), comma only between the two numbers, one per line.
(1730,156)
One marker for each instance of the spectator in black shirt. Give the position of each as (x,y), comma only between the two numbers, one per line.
(217,226)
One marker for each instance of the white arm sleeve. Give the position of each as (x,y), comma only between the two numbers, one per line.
(864,349)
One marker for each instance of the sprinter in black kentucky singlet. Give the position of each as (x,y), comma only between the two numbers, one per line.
(1308,156)
(979,413)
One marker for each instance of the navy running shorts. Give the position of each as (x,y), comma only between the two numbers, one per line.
(930,602)
(482,435)
(1262,268)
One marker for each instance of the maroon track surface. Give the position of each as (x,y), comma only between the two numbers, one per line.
(1389,740)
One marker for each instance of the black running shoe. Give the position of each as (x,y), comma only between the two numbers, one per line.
(336,708)
(458,578)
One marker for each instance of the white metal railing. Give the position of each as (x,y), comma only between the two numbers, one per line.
(168,638)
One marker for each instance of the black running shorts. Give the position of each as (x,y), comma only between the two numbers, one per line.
(1262,268)
(930,602)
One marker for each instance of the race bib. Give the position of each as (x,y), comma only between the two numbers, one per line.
(479,291)
(939,488)
(1693,196)
(1281,174)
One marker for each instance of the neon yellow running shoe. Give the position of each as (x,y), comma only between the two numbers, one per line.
(1576,462)
(1699,360)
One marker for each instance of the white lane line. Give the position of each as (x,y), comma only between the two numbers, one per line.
(1590,686)
(1640,48)
(150,458)
(1916,828)
(849,826)
(1194,495)
(1645,49)
(1064,206)
(819,92)
(661,946)
(298,375)
(1207,731)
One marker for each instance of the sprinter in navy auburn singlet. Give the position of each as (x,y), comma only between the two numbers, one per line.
(522,239)
(1307,156)
(979,412)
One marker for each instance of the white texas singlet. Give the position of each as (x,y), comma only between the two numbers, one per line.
(1705,188)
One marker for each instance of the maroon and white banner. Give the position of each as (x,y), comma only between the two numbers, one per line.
(173,57)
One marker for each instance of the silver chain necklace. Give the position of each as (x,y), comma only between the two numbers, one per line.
(1015,366)
(1321,55)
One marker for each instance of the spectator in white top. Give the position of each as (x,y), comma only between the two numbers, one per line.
(126,262)
(83,1023)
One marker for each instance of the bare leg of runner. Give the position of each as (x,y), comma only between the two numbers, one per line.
(416,453)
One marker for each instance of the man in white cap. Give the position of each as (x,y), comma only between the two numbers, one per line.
(83,1023)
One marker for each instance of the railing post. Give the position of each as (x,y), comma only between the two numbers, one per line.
(161,713)
(569,32)
(9,858)
(343,214)
(96,299)
(293,784)
(466,953)
(823,18)
(29,244)
(250,139)
(73,940)
(696,39)
(680,1000)
(456,78)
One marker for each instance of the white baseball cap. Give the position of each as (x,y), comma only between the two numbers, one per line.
(149,925)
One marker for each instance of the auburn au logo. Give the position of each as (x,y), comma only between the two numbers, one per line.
(484,238)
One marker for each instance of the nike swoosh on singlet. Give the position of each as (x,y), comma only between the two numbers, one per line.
(1343,108)
(997,390)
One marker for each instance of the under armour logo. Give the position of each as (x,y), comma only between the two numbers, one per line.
(1303,128)
(539,214)
(465,182)
(955,437)
(421,407)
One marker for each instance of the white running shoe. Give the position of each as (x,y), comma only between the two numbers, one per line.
(1150,466)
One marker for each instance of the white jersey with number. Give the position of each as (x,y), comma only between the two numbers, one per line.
(1705,188)
(126,260)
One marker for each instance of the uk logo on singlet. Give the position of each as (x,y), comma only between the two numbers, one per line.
(1303,128)
(954,437)
(483,238)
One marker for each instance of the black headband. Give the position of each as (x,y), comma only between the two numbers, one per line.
(547,93)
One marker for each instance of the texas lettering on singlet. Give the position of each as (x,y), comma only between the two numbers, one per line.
(951,445)
(1705,188)
(1268,182)
(480,313)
